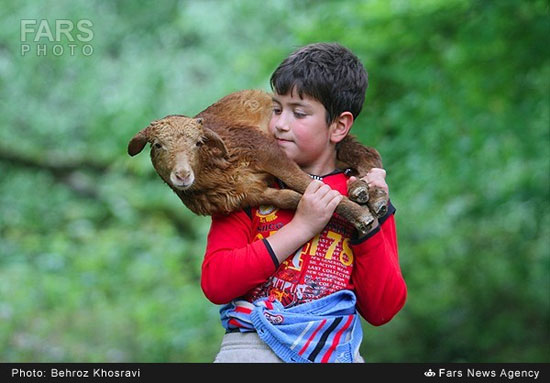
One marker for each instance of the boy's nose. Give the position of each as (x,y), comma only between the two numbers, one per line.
(282,124)
(282,127)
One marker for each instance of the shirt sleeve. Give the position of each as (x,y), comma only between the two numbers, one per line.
(233,264)
(379,285)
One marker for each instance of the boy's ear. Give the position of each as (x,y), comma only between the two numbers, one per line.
(340,127)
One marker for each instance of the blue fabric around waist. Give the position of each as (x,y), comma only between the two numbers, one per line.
(324,330)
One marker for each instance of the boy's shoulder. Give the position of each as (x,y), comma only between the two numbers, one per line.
(337,180)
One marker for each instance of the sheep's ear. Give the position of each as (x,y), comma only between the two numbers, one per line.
(213,140)
(138,142)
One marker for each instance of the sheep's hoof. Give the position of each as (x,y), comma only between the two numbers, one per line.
(359,192)
(364,226)
(378,202)
(380,208)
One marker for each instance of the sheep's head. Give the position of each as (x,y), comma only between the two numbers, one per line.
(176,145)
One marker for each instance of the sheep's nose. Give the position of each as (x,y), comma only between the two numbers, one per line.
(182,178)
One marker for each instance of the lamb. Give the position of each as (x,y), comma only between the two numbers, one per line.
(224,159)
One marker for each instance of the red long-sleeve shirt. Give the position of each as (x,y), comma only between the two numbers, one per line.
(239,262)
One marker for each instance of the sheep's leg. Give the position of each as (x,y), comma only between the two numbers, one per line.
(281,198)
(360,217)
(361,159)
(294,178)
(376,198)
(272,160)
(358,191)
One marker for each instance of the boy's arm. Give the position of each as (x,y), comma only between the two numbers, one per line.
(312,214)
(379,285)
(232,266)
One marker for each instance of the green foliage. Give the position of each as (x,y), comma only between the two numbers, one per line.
(99,261)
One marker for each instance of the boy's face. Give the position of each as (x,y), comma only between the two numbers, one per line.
(300,127)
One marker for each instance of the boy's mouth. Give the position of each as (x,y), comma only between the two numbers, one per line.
(282,140)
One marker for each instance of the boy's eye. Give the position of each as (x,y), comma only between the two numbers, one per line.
(276,110)
(299,114)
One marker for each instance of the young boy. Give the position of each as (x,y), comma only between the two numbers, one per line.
(292,282)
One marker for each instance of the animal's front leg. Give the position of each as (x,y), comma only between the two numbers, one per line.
(358,215)
(281,198)
(275,162)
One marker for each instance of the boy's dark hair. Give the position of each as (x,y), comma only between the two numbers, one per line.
(328,72)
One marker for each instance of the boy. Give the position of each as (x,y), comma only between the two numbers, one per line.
(293,282)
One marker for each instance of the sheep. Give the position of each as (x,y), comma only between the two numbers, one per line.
(224,159)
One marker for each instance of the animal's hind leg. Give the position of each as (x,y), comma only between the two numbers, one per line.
(376,198)
(362,159)
(358,191)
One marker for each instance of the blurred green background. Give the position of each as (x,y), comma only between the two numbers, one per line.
(100,261)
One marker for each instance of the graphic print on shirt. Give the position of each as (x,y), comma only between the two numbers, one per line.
(296,261)
(268,222)
(319,268)
(267,213)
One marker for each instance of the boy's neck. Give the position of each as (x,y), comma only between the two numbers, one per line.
(322,166)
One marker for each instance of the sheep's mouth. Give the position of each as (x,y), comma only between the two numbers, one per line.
(182,187)
(182,183)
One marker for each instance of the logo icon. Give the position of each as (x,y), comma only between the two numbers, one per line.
(56,37)
(275,319)
(429,373)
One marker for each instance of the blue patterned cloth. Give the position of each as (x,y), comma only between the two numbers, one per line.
(321,331)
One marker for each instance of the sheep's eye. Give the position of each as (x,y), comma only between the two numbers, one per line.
(199,144)
(158,146)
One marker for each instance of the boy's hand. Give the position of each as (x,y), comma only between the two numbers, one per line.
(316,208)
(375,178)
